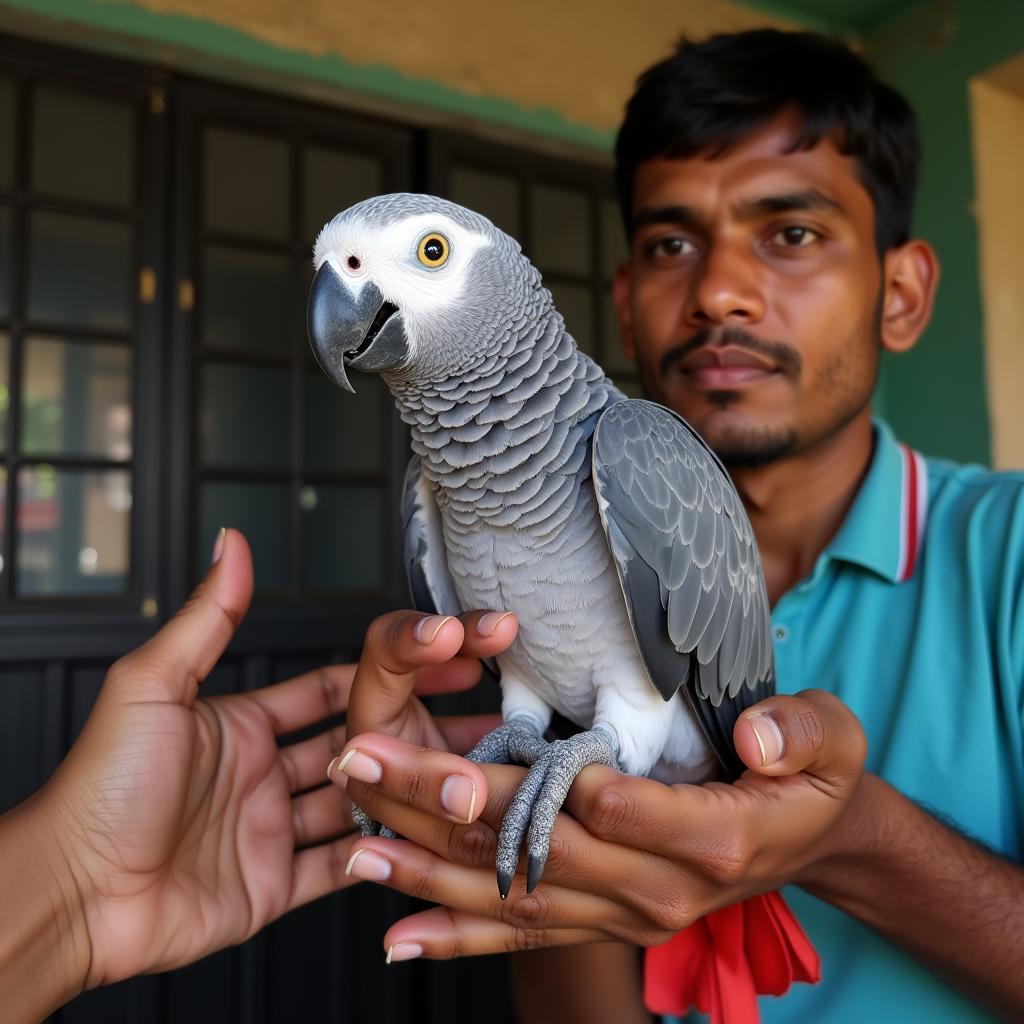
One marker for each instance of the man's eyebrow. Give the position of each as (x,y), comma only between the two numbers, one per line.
(788,202)
(683,216)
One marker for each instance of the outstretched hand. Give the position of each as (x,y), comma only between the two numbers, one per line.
(178,824)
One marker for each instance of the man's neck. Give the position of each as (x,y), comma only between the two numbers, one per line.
(796,505)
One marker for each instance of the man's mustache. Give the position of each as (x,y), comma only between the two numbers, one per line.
(785,357)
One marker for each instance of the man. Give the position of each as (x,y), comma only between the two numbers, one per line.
(767,183)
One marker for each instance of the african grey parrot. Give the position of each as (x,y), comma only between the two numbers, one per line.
(607,525)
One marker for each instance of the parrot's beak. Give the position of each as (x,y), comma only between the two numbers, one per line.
(353,329)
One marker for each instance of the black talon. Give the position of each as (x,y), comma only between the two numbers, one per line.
(504,883)
(534,870)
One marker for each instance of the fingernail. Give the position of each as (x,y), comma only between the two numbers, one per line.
(487,624)
(369,866)
(427,628)
(357,765)
(333,765)
(403,951)
(769,738)
(458,797)
(218,546)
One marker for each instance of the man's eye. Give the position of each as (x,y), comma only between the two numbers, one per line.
(795,237)
(666,248)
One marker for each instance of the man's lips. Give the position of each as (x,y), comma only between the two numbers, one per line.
(712,367)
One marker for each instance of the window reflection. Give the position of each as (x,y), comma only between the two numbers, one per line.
(76,399)
(73,531)
(79,271)
(260,511)
(83,146)
(333,516)
(244,416)
(246,184)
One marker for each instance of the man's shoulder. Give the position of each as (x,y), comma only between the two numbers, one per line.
(969,497)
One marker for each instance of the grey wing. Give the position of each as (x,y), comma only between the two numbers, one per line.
(426,558)
(688,565)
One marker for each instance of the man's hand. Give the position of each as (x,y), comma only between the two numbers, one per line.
(633,859)
(177,825)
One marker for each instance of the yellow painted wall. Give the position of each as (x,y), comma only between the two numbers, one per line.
(997,112)
(579,57)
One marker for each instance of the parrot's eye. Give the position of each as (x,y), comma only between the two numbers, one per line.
(433,250)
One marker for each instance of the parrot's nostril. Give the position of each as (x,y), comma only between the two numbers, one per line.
(353,262)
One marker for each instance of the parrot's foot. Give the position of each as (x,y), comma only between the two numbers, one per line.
(539,799)
(369,827)
(518,741)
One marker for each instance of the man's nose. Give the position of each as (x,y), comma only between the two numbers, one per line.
(726,288)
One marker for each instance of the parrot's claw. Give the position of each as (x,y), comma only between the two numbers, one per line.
(539,800)
(369,827)
(516,742)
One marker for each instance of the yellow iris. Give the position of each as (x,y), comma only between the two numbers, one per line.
(433,250)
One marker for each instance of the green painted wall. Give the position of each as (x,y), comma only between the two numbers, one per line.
(935,395)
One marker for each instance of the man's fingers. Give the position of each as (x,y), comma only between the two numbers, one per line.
(320,870)
(443,784)
(171,665)
(306,699)
(324,813)
(486,633)
(442,934)
(812,732)
(304,762)
(419,873)
(397,645)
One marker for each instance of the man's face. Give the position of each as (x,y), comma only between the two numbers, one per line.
(751,301)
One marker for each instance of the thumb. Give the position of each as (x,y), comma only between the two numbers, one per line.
(172,663)
(811,732)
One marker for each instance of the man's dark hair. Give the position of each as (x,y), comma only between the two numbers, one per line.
(710,95)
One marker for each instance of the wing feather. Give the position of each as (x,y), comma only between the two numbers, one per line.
(688,566)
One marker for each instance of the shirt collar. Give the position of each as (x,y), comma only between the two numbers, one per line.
(884,529)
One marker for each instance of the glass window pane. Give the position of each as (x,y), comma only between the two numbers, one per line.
(8,96)
(573,302)
(346,433)
(246,184)
(5,261)
(334,180)
(76,399)
(260,511)
(614,360)
(79,271)
(73,531)
(5,391)
(560,230)
(613,238)
(244,416)
(333,517)
(493,195)
(244,300)
(83,147)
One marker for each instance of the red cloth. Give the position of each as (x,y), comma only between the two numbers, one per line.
(721,963)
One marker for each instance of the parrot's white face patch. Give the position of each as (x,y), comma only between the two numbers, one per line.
(387,256)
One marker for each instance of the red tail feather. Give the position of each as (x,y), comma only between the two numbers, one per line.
(724,961)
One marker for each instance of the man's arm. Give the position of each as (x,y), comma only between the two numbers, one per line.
(949,902)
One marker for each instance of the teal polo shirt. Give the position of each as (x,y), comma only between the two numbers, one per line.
(913,617)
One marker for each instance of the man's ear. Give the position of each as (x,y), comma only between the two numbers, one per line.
(911,276)
(622,288)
